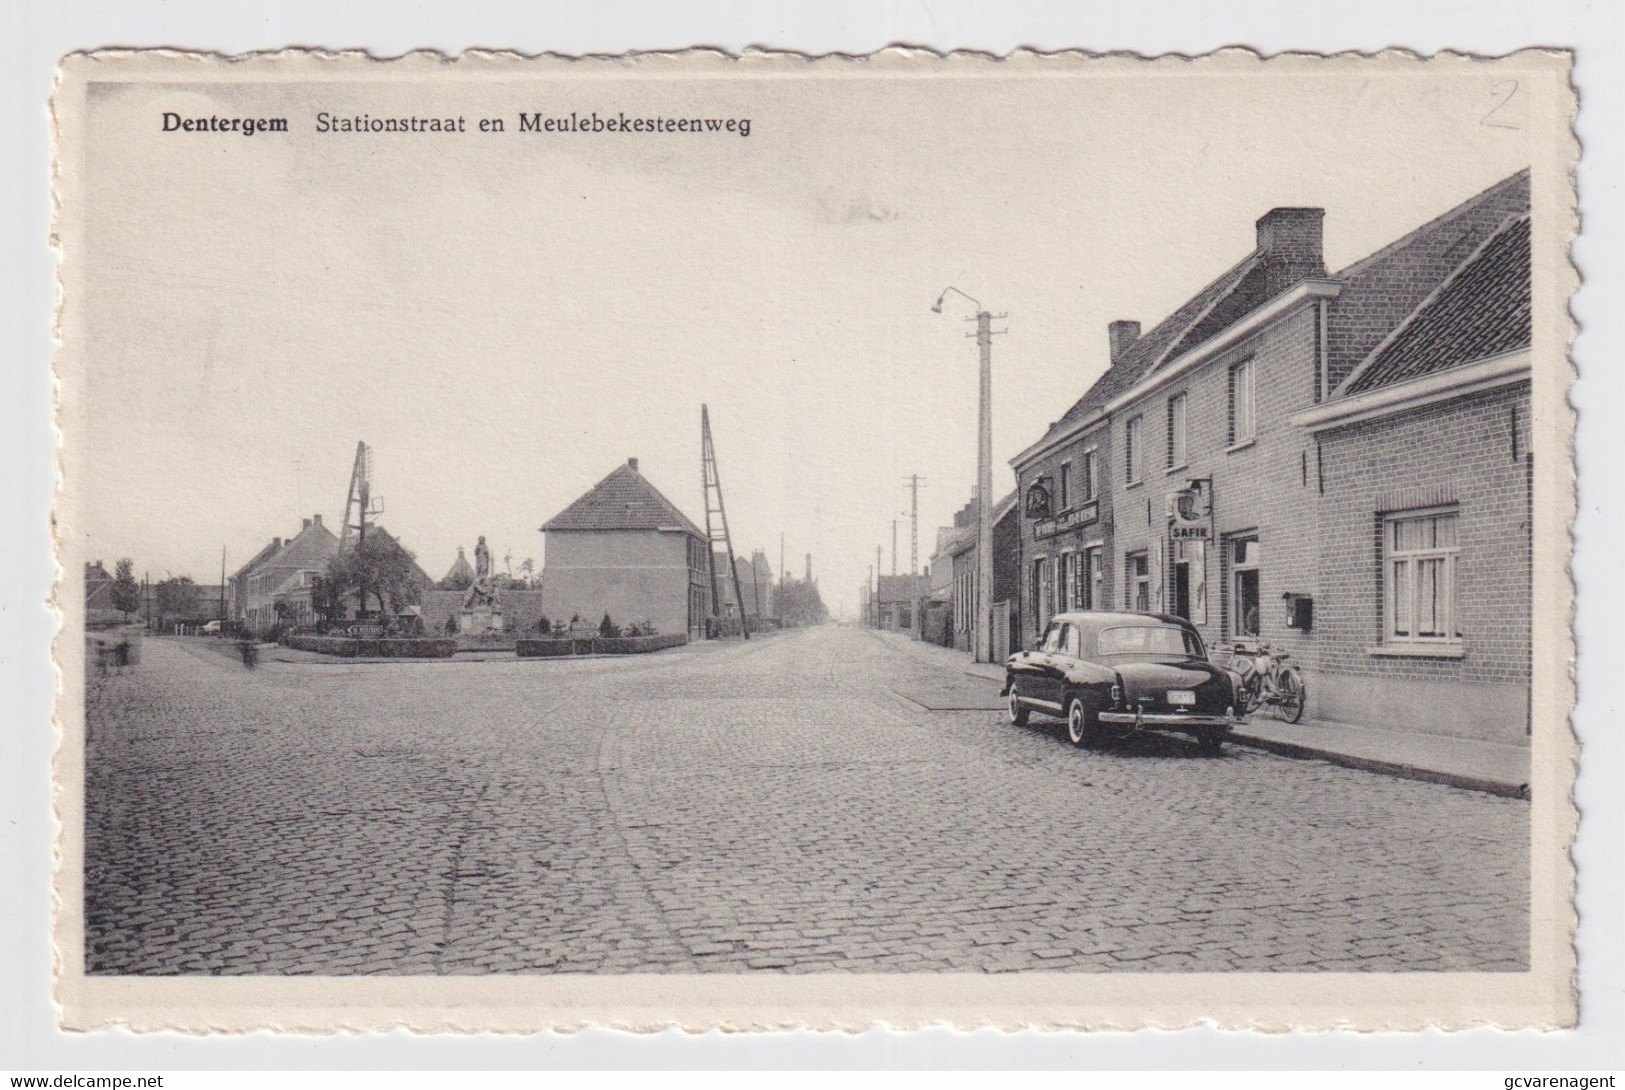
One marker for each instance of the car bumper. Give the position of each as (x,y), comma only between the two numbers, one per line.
(1161,721)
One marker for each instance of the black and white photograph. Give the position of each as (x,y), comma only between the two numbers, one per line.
(691,539)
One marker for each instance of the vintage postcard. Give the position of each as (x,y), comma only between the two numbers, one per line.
(1057,540)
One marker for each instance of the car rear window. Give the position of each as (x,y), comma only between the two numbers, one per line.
(1164,639)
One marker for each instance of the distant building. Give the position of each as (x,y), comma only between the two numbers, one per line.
(626,550)
(461,574)
(898,599)
(1005,603)
(282,568)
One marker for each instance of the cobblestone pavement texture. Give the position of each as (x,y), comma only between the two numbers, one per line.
(762,805)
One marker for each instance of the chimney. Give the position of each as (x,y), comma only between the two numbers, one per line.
(1289,245)
(306,526)
(276,543)
(809,567)
(1122,336)
(632,464)
(317,519)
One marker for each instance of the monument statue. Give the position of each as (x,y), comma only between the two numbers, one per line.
(482,604)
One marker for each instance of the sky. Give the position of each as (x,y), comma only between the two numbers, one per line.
(505,318)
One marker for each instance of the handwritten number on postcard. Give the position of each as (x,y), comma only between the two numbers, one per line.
(1503,93)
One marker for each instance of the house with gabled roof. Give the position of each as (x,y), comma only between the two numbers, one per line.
(281,570)
(1426,490)
(624,549)
(1260,462)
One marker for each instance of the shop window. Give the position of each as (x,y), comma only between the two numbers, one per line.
(1137,581)
(1420,570)
(1176,430)
(1243,419)
(1132,449)
(905,616)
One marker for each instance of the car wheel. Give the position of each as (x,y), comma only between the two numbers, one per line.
(1018,713)
(1082,728)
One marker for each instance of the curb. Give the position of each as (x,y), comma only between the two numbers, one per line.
(1387,768)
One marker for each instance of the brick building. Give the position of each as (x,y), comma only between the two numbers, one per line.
(626,550)
(1233,465)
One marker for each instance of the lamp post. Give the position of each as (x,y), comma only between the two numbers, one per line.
(982,630)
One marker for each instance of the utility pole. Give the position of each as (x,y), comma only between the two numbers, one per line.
(877,585)
(222,592)
(914,482)
(984,491)
(869,606)
(984,476)
(894,546)
(718,535)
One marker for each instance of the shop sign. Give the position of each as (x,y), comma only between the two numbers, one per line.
(1037,502)
(1081,515)
(1190,511)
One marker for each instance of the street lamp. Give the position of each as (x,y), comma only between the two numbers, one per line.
(983,630)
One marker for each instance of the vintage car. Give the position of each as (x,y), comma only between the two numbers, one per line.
(1116,673)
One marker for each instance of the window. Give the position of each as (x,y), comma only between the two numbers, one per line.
(1137,581)
(1072,641)
(1131,449)
(1243,422)
(1086,477)
(1064,499)
(1421,574)
(1052,638)
(1149,640)
(1063,577)
(1245,557)
(1176,431)
(1094,581)
(1042,592)
(905,615)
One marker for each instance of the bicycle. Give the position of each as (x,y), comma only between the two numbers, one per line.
(1268,678)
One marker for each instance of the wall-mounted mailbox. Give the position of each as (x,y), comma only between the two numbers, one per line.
(1300,611)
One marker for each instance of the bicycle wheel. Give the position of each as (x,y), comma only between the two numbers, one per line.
(1289,705)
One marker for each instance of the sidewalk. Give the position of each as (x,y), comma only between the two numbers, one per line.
(1460,762)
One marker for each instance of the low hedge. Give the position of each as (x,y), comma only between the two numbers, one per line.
(625,645)
(390,648)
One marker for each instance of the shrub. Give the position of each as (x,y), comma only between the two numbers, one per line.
(608,629)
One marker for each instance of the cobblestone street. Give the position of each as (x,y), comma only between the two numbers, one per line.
(720,808)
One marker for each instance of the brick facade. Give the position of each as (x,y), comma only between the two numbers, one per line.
(1467,456)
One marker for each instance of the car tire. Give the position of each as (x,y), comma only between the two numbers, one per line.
(1018,713)
(1082,727)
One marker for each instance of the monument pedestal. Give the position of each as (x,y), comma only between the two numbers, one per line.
(480,621)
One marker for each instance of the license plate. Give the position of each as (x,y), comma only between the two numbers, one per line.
(1181,698)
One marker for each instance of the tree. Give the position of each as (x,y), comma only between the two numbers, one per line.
(178,597)
(377,568)
(797,602)
(608,629)
(126,593)
(326,598)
